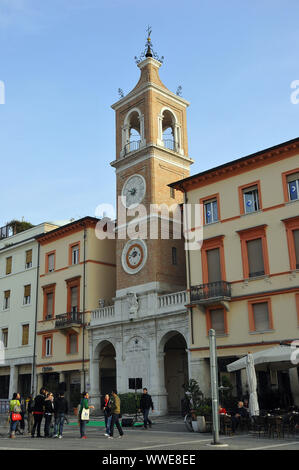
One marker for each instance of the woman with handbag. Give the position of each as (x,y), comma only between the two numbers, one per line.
(84,414)
(14,414)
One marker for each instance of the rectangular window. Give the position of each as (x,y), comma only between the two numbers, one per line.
(293,186)
(51,262)
(217,321)
(5,337)
(48,346)
(251,199)
(174,256)
(25,335)
(214,266)
(72,343)
(255,257)
(27,294)
(6,304)
(28,262)
(261,317)
(74,299)
(50,305)
(8,265)
(75,254)
(211,211)
(296,244)
(172,193)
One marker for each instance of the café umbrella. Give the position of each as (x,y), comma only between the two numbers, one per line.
(280,357)
(252,385)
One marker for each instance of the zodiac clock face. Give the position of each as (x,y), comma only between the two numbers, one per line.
(133,191)
(134,256)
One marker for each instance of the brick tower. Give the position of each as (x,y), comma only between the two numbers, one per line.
(151,152)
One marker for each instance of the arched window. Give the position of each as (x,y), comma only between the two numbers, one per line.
(133,132)
(169,131)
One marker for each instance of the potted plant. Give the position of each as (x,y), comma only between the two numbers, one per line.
(193,396)
(203,413)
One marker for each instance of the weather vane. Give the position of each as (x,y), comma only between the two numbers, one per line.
(149,50)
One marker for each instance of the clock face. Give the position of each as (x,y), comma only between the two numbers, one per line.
(134,256)
(133,191)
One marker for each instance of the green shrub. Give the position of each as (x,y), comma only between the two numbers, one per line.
(128,402)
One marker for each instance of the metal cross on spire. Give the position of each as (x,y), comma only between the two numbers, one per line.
(148,51)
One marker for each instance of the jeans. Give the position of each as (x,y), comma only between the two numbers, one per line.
(13,425)
(58,424)
(108,420)
(146,420)
(48,418)
(115,420)
(82,427)
(37,424)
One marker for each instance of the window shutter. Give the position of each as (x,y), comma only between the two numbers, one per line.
(7,294)
(217,320)
(255,257)
(73,343)
(27,291)
(50,304)
(74,299)
(214,268)
(8,265)
(51,262)
(28,256)
(261,316)
(293,177)
(296,243)
(25,334)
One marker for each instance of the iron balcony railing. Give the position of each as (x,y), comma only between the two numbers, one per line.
(67,319)
(212,290)
(132,146)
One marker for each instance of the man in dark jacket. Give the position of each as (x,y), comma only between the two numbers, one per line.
(38,412)
(60,410)
(239,413)
(146,403)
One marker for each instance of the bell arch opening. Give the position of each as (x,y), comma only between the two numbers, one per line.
(133,132)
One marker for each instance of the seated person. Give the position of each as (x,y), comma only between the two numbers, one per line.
(240,411)
(222,411)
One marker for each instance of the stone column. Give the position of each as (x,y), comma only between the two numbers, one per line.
(13,380)
(94,375)
(293,373)
(200,371)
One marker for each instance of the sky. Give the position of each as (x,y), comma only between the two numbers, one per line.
(63,61)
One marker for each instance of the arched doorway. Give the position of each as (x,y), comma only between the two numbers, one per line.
(107,368)
(175,369)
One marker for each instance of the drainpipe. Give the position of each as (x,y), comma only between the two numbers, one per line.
(83,334)
(33,382)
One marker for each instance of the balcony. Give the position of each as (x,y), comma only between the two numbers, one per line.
(211,293)
(69,321)
(132,146)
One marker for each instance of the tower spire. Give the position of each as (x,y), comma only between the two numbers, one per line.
(149,50)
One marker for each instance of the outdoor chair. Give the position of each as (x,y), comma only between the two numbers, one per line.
(259,424)
(275,426)
(244,423)
(226,425)
(288,425)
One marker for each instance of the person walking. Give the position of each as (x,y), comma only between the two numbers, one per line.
(60,410)
(38,412)
(146,403)
(14,407)
(49,411)
(29,410)
(83,405)
(115,412)
(107,414)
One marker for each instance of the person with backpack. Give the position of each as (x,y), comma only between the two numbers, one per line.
(146,403)
(38,412)
(115,411)
(14,407)
(60,410)
(83,406)
(29,411)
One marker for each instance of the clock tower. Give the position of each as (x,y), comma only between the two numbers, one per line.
(151,152)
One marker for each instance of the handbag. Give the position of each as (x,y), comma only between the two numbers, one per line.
(16,416)
(85,414)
